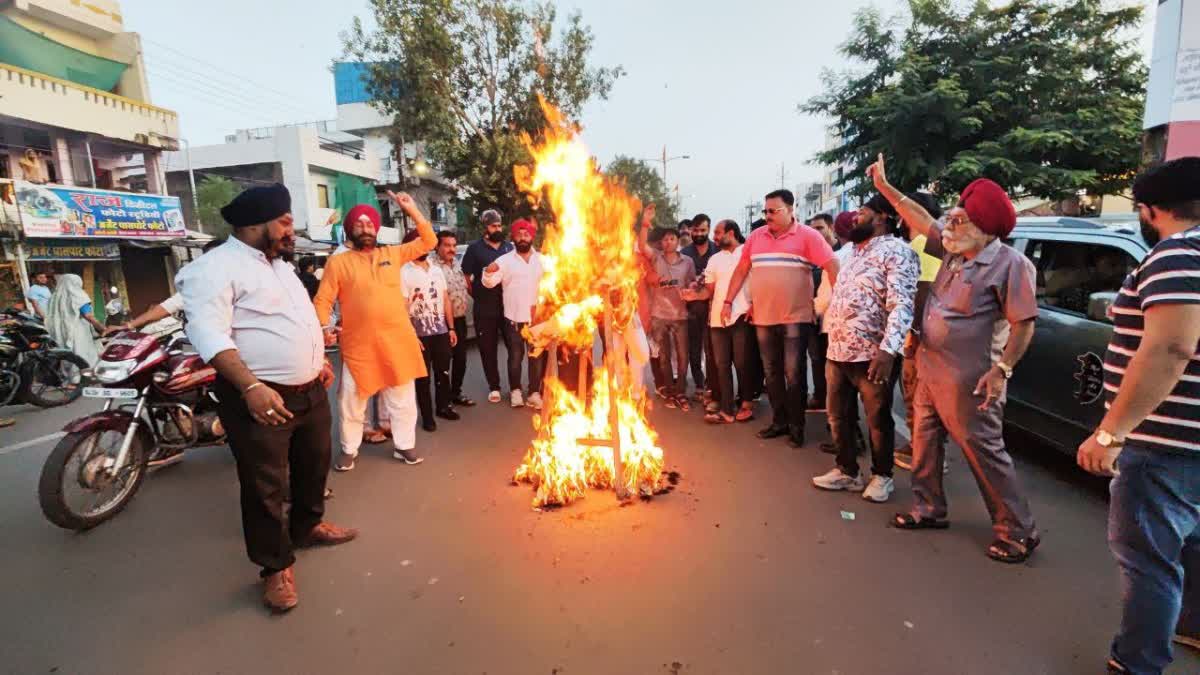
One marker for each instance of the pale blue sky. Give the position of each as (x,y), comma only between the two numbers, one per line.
(716,80)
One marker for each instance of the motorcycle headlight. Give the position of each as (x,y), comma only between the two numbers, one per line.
(114,371)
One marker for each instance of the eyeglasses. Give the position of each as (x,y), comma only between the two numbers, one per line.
(771,212)
(957,221)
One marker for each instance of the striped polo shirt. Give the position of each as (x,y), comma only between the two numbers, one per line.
(782,268)
(1169,275)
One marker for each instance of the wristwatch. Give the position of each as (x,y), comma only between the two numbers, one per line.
(1006,369)
(1107,440)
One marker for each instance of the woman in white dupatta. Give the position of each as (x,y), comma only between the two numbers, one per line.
(69,318)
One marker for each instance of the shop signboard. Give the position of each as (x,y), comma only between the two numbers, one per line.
(50,249)
(70,212)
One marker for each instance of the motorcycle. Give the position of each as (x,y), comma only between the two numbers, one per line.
(32,368)
(158,403)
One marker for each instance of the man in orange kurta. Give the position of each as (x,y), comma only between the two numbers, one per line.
(380,350)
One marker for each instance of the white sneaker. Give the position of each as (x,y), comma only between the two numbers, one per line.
(534,401)
(837,479)
(517,400)
(494,396)
(879,490)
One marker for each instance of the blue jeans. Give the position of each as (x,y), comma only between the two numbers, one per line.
(1154,532)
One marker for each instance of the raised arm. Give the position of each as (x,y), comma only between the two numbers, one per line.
(644,231)
(422,244)
(910,212)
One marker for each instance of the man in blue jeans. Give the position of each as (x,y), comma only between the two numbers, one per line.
(1150,438)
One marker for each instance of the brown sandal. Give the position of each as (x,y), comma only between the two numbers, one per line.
(374,437)
(744,415)
(718,418)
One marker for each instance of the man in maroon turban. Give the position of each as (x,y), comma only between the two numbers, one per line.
(977,324)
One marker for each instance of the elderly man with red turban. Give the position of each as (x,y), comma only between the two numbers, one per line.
(977,324)
(380,350)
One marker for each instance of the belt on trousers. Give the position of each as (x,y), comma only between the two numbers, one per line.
(293,388)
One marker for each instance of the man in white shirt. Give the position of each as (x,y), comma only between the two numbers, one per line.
(519,271)
(732,342)
(426,290)
(250,318)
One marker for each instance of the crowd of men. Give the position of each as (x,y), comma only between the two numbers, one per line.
(897,291)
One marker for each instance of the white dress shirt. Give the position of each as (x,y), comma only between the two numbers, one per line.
(520,283)
(719,275)
(237,299)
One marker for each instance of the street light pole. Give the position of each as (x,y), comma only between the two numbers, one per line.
(192,181)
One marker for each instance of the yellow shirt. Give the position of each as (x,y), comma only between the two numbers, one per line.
(929,264)
(378,342)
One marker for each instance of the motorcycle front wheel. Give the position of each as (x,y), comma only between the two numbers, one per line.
(76,490)
(53,379)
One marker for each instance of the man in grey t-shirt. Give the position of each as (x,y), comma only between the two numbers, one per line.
(676,273)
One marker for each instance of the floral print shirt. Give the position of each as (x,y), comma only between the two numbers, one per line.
(872,304)
(456,285)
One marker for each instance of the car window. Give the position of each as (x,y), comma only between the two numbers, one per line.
(1079,277)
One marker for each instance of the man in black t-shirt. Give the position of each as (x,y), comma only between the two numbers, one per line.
(489,302)
(699,348)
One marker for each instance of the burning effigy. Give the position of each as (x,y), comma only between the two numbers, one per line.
(594,434)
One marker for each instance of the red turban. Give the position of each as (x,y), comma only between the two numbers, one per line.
(843,224)
(988,206)
(522,224)
(358,212)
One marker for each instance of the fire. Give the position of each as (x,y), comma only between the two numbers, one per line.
(590,282)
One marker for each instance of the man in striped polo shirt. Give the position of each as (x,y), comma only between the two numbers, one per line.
(782,256)
(1150,437)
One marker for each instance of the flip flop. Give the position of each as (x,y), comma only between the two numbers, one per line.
(907,521)
(744,415)
(374,437)
(718,418)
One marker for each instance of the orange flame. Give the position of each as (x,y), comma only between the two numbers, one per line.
(590,261)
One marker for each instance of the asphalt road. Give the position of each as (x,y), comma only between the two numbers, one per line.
(746,568)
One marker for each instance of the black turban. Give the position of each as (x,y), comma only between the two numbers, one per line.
(880,204)
(1169,183)
(257,205)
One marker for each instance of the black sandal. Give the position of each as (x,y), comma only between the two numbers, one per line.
(907,521)
(1013,551)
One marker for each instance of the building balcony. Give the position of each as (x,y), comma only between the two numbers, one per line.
(51,101)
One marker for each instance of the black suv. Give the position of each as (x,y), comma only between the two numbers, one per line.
(1057,391)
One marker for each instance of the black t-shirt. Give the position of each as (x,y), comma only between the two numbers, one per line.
(489,302)
(699,308)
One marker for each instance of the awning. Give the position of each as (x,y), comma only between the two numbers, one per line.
(33,51)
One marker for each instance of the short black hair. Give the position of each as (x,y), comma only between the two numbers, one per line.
(732,226)
(927,202)
(411,235)
(1172,186)
(823,216)
(786,195)
(757,224)
(447,234)
(660,232)
(684,224)
(700,218)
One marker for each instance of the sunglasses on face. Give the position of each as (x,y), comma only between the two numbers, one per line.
(771,212)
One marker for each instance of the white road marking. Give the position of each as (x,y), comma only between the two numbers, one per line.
(32,442)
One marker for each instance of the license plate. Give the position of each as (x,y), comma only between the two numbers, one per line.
(105,392)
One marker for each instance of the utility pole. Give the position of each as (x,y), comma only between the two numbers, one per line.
(782,176)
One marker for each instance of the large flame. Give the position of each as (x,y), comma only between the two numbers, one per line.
(590,261)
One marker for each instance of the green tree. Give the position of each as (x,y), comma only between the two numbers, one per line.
(646,184)
(1044,97)
(213,192)
(462,77)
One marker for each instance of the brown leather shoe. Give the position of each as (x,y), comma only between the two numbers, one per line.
(328,534)
(279,591)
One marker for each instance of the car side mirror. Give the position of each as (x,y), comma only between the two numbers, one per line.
(1100,306)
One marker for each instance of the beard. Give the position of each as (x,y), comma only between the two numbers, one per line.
(364,240)
(523,246)
(861,233)
(496,237)
(700,241)
(1150,234)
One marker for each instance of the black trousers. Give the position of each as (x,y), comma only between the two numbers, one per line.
(817,348)
(783,347)
(517,348)
(490,330)
(731,346)
(697,344)
(437,365)
(848,381)
(458,358)
(273,461)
